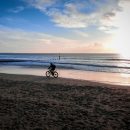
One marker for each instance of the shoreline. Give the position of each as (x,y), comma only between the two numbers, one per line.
(60,80)
(102,77)
(40,103)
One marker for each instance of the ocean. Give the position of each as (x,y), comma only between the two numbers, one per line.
(113,63)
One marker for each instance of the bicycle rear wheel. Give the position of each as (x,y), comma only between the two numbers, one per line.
(55,74)
(48,74)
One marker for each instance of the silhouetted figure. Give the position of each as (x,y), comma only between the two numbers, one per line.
(52,67)
(59,56)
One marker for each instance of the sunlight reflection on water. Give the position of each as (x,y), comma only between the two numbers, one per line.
(112,78)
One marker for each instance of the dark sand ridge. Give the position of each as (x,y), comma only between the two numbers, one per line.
(37,103)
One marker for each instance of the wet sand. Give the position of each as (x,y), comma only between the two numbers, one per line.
(103,77)
(40,103)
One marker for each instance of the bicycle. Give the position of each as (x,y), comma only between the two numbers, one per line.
(53,74)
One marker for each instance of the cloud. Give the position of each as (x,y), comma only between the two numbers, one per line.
(81,33)
(16,40)
(19,41)
(108,29)
(17,9)
(77,14)
(41,4)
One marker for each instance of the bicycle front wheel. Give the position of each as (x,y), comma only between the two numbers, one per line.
(55,74)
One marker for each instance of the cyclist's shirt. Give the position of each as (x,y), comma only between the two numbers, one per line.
(52,67)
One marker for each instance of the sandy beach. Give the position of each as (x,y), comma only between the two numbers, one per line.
(40,103)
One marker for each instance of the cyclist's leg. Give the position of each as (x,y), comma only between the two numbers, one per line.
(52,71)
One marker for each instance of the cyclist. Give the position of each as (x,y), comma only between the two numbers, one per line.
(52,68)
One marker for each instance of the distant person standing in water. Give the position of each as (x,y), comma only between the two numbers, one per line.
(52,68)
(59,56)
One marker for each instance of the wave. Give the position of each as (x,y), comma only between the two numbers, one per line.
(95,58)
(68,65)
(12,60)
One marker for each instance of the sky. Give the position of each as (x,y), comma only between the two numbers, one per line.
(65,26)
